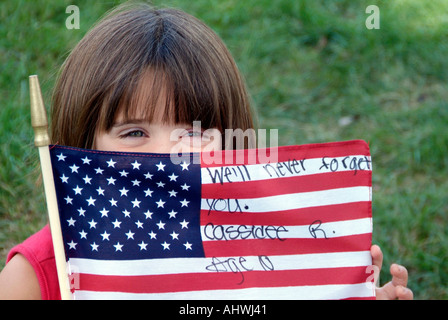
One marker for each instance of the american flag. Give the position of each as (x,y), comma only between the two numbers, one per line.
(143,226)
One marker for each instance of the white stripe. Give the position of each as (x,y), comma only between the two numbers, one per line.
(327,230)
(282,169)
(199,265)
(322,292)
(294,200)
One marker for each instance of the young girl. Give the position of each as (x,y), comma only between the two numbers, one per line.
(136,77)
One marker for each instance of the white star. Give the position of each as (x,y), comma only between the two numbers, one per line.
(118,247)
(148,193)
(83,234)
(172,214)
(94,246)
(126,213)
(184,203)
(74,168)
(130,235)
(61,157)
(100,191)
(111,181)
(64,179)
(71,222)
(184,166)
(174,235)
(91,201)
(81,212)
(185,187)
(142,246)
(160,184)
(160,203)
(188,246)
(92,224)
(148,214)
(86,160)
(123,173)
(153,235)
(104,212)
(124,192)
(72,245)
(161,225)
(111,163)
(113,202)
(136,203)
(173,177)
(172,193)
(116,223)
(105,236)
(160,166)
(68,200)
(165,245)
(184,224)
(77,190)
(139,224)
(136,183)
(99,170)
(136,165)
(148,176)
(87,179)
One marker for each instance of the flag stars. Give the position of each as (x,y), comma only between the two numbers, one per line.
(130,235)
(77,190)
(161,225)
(111,163)
(136,165)
(74,168)
(94,247)
(165,245)
(184,224)
(160,166)
(72,245)
(113,202)
(142,246)
(160,203)
(111,180)
(118,247)
(188,246)
(136,203)
(61,157)
(116,223)
(83,234)
(86,160)
(87,179)
(91,201)
(184,166)
(68,200)
(71,222)
(64,178)
(92,224)
(105,236)
(184,203)
(173,177)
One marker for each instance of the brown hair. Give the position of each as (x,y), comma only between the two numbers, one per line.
(132,55)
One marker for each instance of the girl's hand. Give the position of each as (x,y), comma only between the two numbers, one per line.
(395,289)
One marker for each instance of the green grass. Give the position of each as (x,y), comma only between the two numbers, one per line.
(309,65)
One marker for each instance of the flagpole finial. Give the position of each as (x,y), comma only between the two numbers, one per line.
(38,114)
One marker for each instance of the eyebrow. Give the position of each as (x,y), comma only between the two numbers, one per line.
(127,122)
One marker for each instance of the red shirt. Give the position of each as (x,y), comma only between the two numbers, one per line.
(38,250)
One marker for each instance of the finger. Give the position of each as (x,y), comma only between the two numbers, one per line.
(403,293)
(399,275)
(377,256)
(386,292)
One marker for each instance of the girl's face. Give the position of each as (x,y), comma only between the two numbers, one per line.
(141,135)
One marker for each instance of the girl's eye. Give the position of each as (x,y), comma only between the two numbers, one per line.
(134,134)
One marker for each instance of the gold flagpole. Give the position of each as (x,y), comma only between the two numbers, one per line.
(42,140)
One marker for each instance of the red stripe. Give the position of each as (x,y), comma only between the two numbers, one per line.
(269,247)
(304,216)
(309,151)
(221,280)
(277,186)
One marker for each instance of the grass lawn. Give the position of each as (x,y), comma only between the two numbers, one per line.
(314,71)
